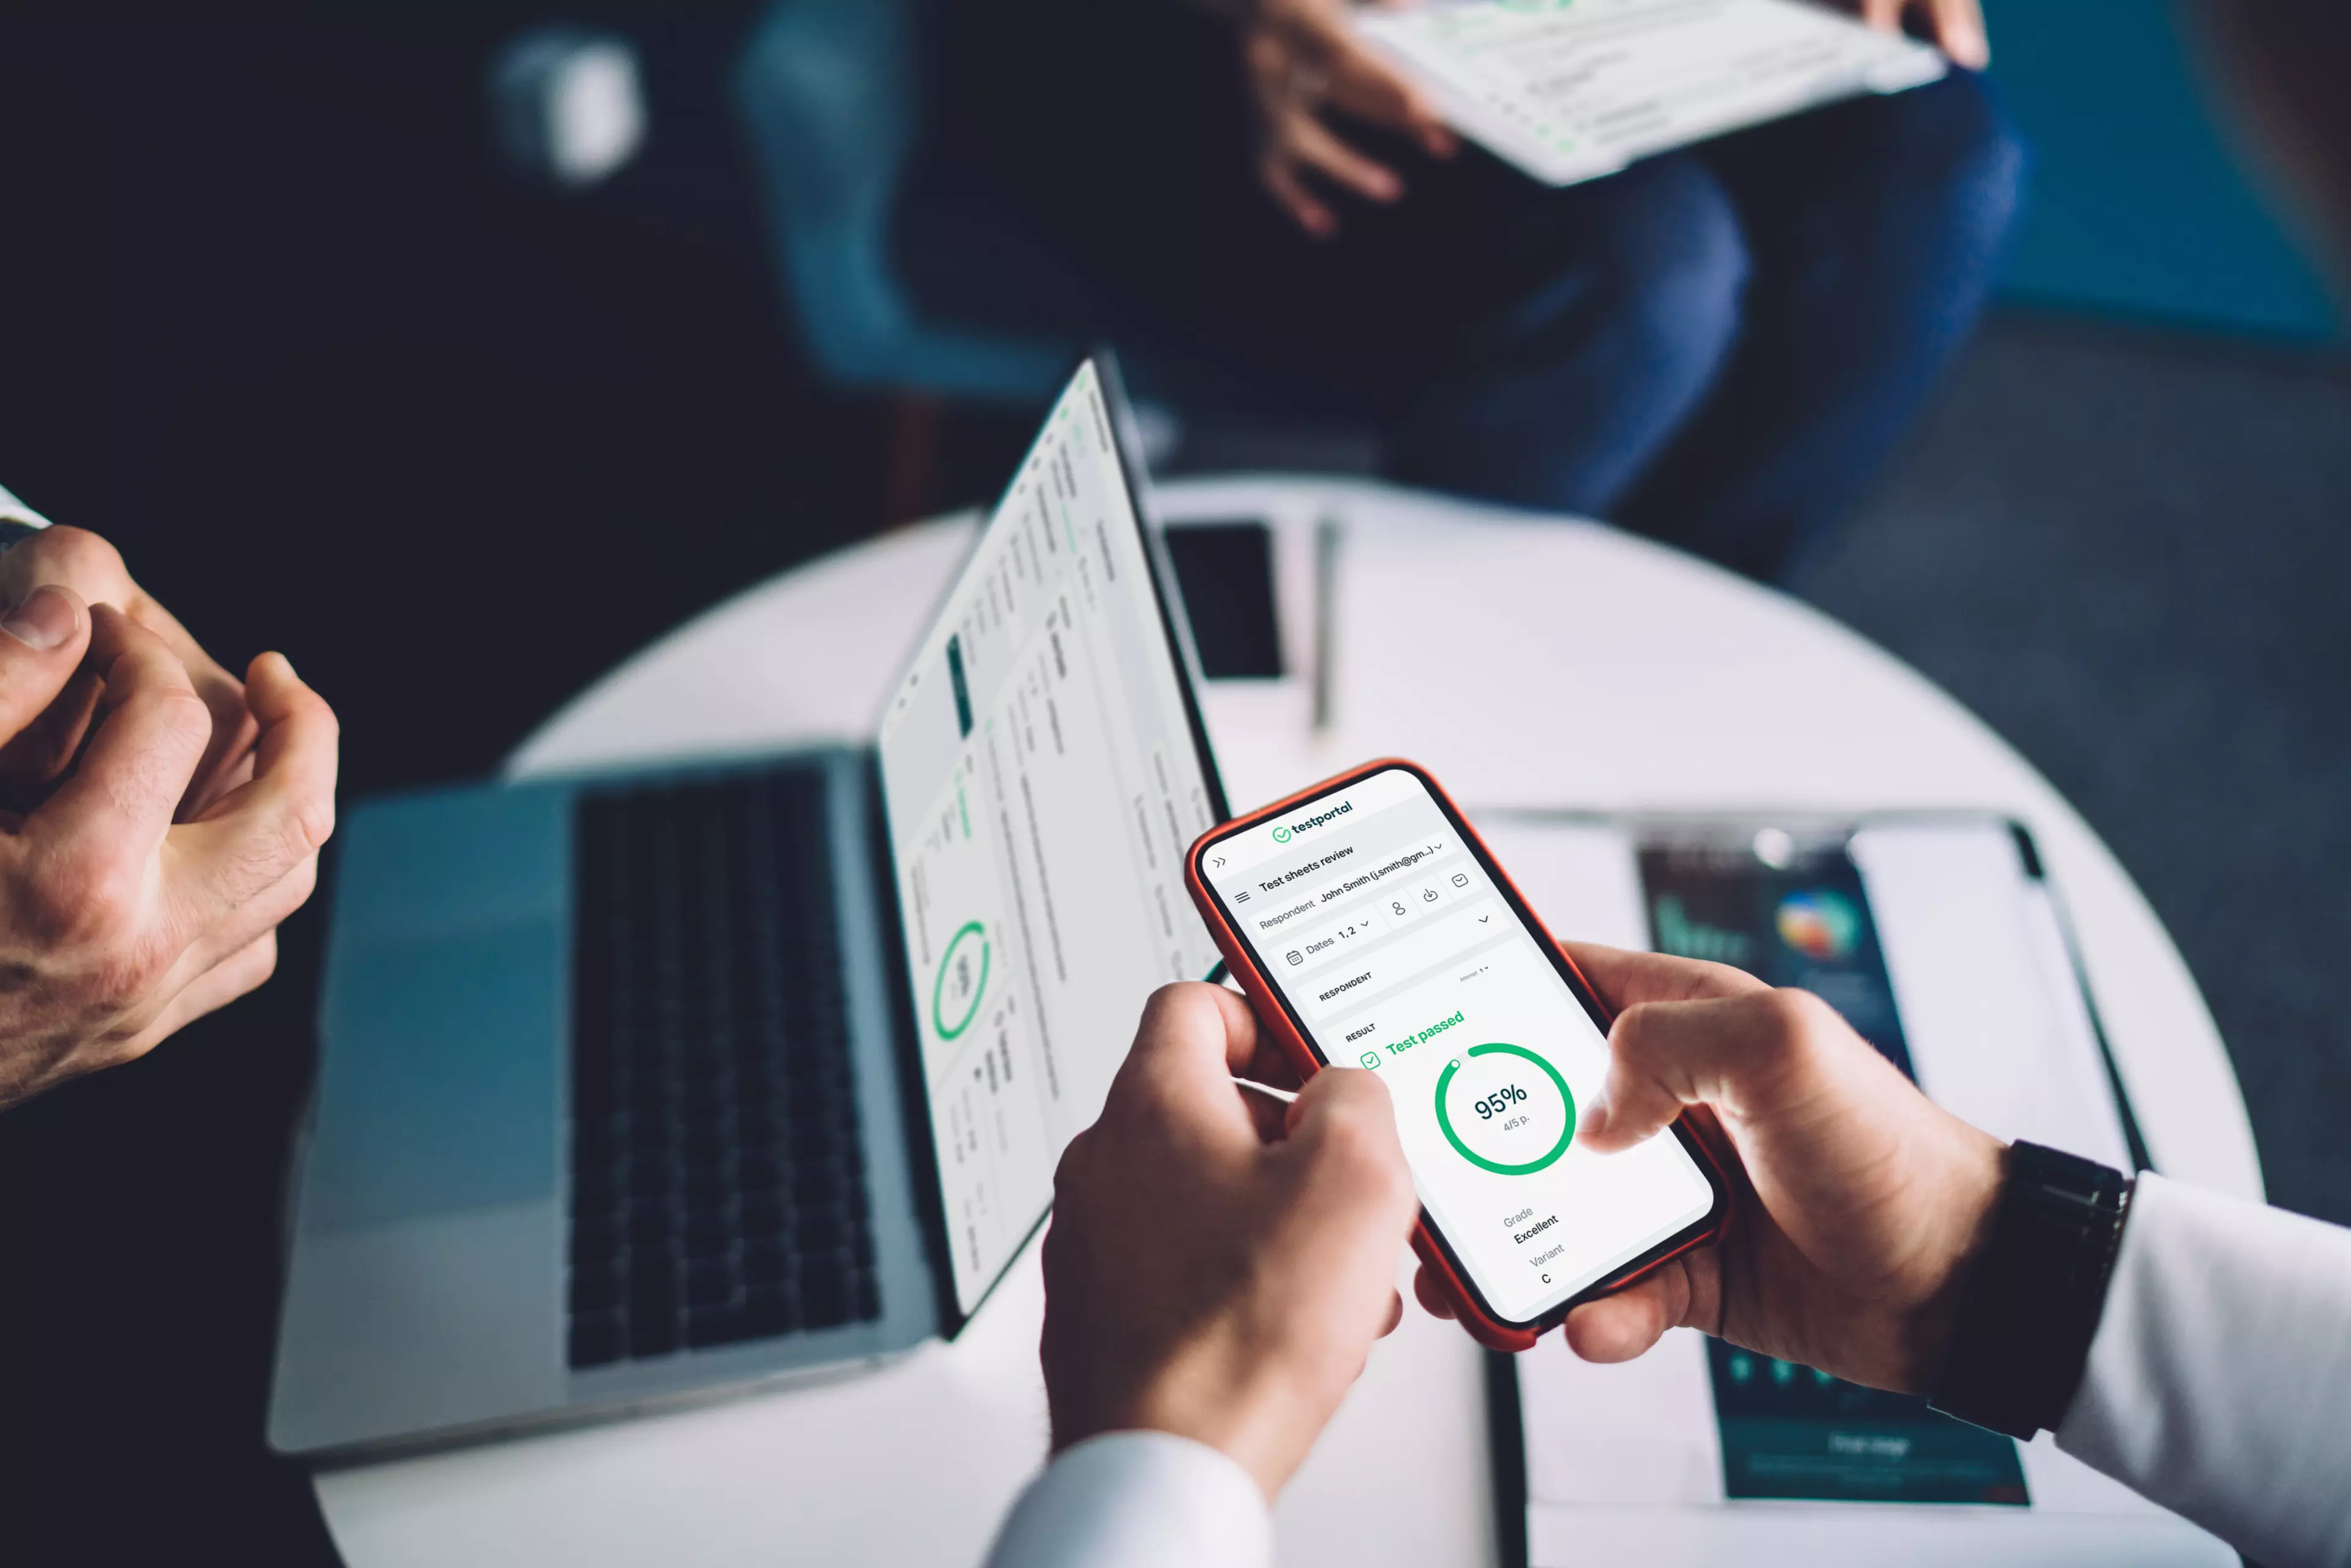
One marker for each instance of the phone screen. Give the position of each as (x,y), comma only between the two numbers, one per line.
(1395,948)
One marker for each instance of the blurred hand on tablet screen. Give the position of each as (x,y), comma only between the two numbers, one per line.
(158,816)
(1955,27)
(1858,1200)
(1303,59)
(1217,1269)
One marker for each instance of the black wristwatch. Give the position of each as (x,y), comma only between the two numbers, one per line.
(2035,1294)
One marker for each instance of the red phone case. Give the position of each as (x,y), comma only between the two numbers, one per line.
(1486,1330)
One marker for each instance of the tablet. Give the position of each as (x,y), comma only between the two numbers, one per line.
(1942,943)
(1569,90)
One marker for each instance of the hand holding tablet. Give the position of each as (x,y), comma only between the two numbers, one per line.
(1570,90)
(1303,58)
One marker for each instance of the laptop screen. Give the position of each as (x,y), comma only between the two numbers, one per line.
(1043,779)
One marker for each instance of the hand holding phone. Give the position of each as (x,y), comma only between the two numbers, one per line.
(1863,1199)
(1218,1266)
(1372,928)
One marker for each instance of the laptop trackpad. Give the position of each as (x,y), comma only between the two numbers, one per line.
(442,1080)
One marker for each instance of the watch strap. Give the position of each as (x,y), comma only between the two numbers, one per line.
(2034,1293)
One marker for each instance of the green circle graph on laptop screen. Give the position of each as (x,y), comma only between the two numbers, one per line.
(962,980)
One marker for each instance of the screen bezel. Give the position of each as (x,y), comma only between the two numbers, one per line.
(1593,1006)
(1176,625)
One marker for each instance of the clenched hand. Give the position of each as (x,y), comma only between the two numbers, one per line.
(163,818)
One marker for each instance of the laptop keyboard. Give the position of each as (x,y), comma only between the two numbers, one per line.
(717,1180)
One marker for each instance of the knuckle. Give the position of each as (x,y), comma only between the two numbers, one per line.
(130,973)
(76,556)
(1069,1174)
(151,770)
(1346,1137)
(190,723)
(1169,997)
(1633,1030)
(330,727)
(1181,1008)
(189,711)
(311,822)
(175,709)
(73,900)
(1715,979)
(1357,1139)
(267,858)
(1791,1016)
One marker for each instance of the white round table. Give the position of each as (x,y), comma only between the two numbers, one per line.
(1528,662)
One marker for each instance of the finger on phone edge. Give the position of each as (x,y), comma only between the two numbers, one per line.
(1622,1326)
(1431,1297)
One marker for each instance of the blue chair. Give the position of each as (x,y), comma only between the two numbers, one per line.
(831,94)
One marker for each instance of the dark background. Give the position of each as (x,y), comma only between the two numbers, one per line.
(274,319)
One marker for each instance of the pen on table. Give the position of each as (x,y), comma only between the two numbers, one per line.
(1327,536)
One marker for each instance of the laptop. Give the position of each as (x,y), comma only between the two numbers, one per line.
(635,1089)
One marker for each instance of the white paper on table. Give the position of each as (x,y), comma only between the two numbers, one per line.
(1572,89)
(1627,1460)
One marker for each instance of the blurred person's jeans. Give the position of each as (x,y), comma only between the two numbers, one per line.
(1717,347)
(1734,339)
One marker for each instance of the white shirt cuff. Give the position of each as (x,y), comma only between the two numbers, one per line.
(13,510)
(1138,1499)
(2216,1383)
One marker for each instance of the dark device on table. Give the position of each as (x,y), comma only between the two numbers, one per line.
(1370,926)
(632,1090)
(1804,920)
(1225,568)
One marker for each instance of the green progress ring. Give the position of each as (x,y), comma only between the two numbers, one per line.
(1566,1135)
(939,986)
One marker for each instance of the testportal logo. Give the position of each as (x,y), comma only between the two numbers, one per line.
(1283,833)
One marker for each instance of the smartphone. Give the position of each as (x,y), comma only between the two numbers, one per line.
(1372,928)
